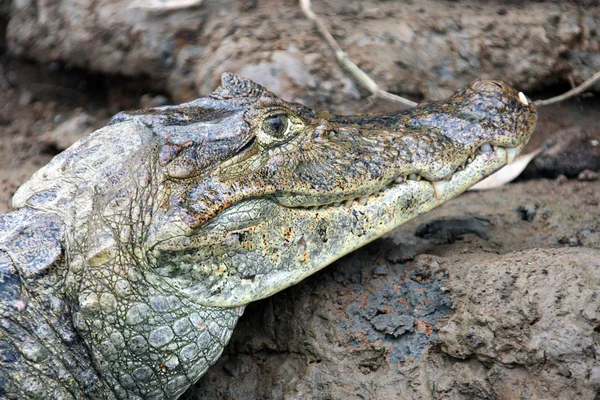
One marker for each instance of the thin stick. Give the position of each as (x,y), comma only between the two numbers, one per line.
(344,60)
(573,92)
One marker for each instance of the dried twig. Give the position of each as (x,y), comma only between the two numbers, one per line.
(359,75)
(573,92)
(165,5)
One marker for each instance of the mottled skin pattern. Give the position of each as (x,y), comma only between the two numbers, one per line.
(131,255)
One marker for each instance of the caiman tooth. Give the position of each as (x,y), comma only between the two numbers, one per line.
(511,153)
(486,148)
(337,203)
(413,177)
(399,179)
(363,200)
(438,188)
(348,203)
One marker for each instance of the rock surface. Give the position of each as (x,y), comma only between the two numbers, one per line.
(420,49)
(69,131)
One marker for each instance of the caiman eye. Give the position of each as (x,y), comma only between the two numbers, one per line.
(276,125)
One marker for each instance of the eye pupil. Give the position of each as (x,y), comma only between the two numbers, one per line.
(276,125)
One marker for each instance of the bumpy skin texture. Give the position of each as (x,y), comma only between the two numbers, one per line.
(133,253)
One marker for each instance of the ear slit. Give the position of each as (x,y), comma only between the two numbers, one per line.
(247,145)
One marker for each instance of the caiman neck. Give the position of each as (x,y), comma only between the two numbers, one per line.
(144,339)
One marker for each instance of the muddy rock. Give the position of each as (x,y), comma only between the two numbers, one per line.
(568,152)
(530,318)
(70,131)
(420,49)
(588,175)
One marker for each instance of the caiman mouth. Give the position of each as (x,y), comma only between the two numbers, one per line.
(439,186)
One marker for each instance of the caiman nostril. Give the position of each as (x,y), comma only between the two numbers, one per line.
(487,86)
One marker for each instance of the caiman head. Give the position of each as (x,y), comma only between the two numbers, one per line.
(258,193)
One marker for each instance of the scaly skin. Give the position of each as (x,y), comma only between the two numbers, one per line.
(133,253)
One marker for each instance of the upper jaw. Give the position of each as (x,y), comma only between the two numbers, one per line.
(363,195)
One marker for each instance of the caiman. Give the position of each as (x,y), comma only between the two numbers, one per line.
(131,255)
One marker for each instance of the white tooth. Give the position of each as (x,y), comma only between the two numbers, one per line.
(523,99)
(412,177)
(363,200)
(486,148)
(511,153)
(399,179)
(438,188)
(348,203)
(337,203)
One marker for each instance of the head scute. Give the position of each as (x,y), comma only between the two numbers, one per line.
(234,86)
